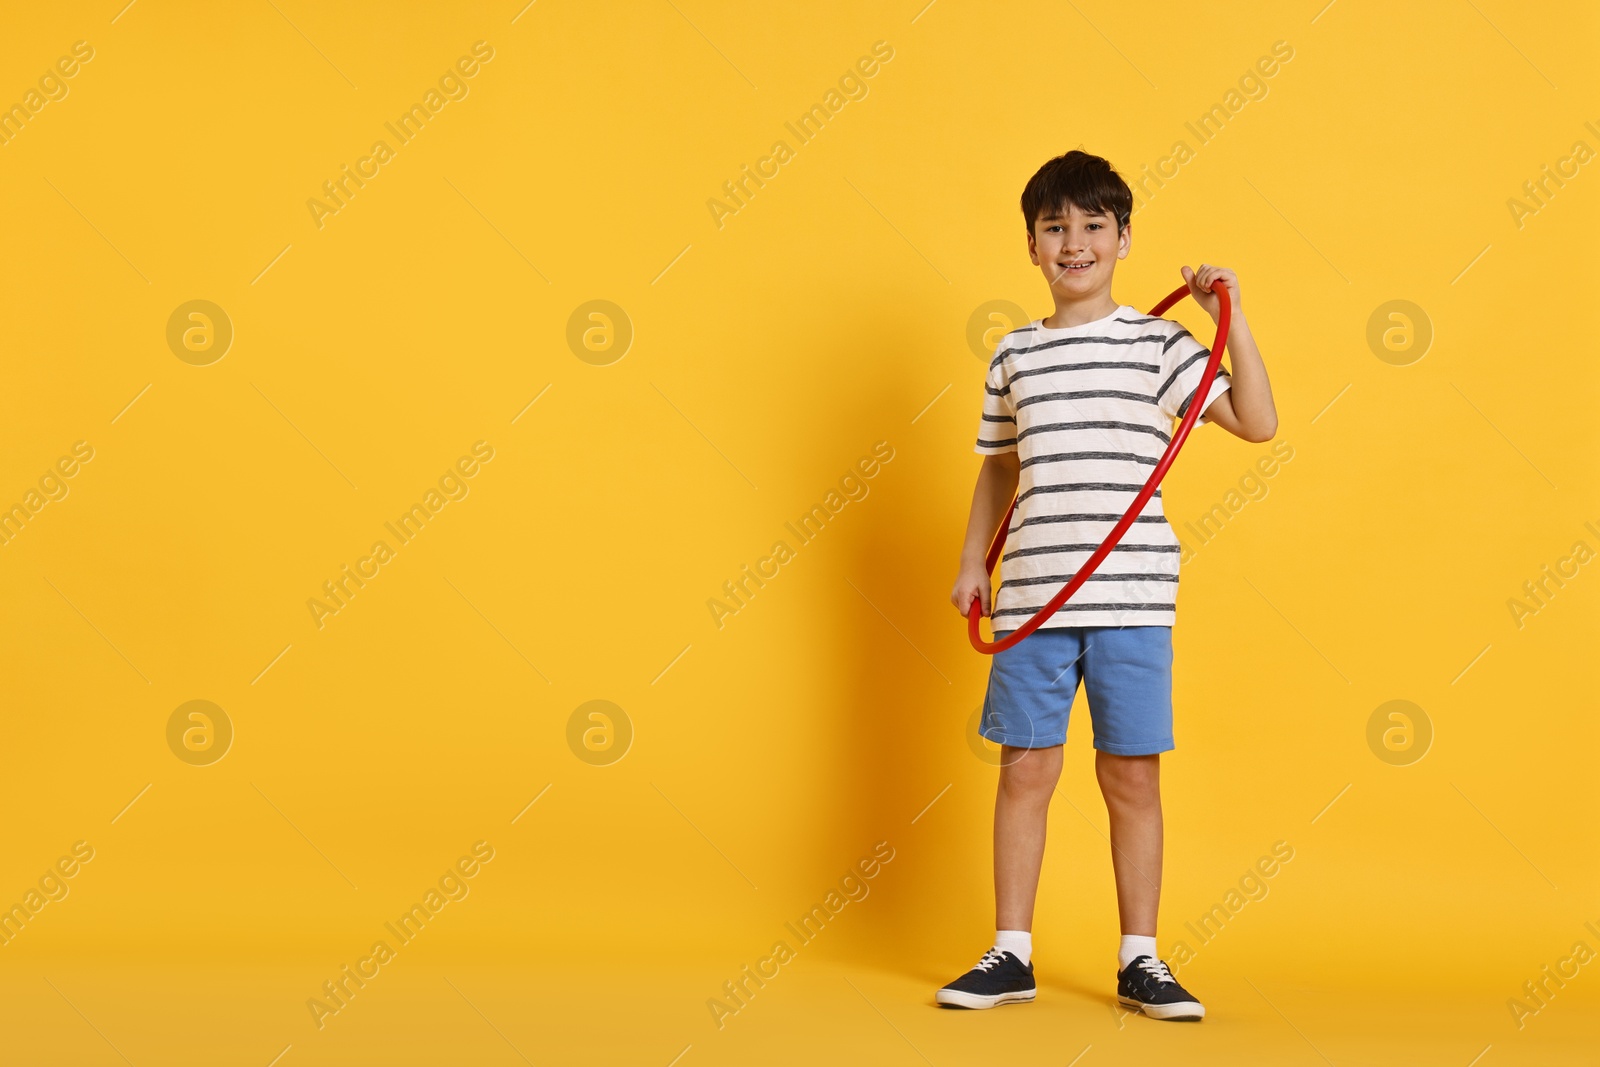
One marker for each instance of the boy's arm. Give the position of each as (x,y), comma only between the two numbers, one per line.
(997,484)
(1245,410)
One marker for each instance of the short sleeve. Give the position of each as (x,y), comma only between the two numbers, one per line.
(997,430)
(1182,365)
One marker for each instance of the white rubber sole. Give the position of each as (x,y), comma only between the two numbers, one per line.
(954,998)
(1183,1009)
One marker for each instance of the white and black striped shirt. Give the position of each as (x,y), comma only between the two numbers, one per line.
(1090,409)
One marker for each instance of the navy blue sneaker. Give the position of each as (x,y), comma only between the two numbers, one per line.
(1146,984)
(998,978)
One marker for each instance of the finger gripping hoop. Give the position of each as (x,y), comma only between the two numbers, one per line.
(1196,406)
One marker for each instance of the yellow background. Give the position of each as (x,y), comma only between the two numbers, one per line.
(830,312)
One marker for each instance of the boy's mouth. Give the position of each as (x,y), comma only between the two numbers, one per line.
(1078,267)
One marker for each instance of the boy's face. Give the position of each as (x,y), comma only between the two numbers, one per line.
(1078,237)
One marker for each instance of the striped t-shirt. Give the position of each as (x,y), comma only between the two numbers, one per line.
(1090,409)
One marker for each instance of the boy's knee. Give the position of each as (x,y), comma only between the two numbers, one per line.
(1128,778)
(1030,770)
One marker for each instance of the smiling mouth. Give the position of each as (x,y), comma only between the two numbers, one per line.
(1077,268)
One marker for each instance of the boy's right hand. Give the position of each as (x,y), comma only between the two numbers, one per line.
(971,582)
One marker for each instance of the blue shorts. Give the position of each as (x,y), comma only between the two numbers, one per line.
(1126,670)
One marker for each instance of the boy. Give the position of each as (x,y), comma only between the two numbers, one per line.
(1078,408)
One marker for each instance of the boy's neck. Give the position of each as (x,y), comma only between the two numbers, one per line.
(1077,312)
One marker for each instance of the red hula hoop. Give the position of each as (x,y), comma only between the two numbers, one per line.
(1196,406)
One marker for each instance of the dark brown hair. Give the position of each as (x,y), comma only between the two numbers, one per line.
(1078,178)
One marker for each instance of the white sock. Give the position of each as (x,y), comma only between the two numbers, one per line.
(1017,942)
(1134,946)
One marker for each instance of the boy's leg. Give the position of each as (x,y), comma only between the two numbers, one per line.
(1028,777)
(1128,674)
(1022,802)
(1131,786)
(1025,711)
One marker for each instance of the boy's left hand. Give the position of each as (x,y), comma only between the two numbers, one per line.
(1200,288)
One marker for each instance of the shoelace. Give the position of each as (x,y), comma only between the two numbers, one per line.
(1155,969)
(990,959)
